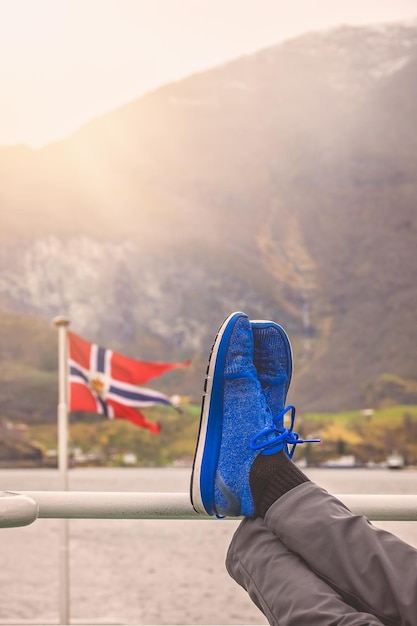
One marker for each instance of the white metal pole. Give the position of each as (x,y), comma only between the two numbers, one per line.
(147,505)
(62,324)
(22,508)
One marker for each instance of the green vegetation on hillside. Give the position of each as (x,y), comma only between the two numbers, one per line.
(96,440)
(369,436)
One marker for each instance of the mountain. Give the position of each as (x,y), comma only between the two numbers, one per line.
(282,184)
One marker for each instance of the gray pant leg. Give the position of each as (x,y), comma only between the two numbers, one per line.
(282,586)
(374,569)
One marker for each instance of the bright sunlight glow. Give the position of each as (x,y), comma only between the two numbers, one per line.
(64,62)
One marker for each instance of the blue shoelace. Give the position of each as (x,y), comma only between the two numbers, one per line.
(282,437)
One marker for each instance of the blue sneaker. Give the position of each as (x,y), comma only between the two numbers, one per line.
(236,425)
(273,363)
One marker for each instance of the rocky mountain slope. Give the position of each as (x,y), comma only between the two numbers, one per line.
(282,184)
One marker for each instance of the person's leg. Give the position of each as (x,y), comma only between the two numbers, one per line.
(281,584)
(383,574)
(240,420)
(372,569)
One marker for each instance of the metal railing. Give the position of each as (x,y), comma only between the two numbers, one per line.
(24,507)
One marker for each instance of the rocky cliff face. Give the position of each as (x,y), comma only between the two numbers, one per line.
(110,289)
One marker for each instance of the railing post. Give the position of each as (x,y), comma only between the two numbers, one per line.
(62,324)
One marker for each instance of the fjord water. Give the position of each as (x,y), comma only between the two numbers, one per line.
(144,571)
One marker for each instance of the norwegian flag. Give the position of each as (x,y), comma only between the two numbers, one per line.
(102,381)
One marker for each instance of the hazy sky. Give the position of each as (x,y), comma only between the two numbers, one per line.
(63,62)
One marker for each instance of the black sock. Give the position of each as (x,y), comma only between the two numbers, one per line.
(270,477)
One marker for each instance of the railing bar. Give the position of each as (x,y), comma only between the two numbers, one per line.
(174,505)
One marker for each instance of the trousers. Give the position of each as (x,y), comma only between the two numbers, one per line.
(312,561)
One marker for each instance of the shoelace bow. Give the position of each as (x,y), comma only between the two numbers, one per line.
(283,437)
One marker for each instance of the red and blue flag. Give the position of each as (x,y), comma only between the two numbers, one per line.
(102,381)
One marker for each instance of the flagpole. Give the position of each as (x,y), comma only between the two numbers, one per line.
(62,324)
